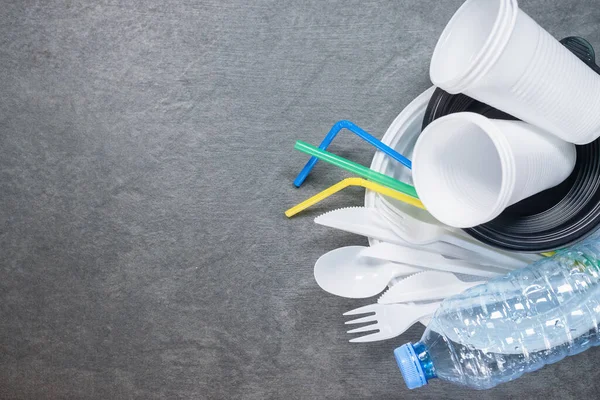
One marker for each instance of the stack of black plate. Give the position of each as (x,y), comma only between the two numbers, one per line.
(556,217)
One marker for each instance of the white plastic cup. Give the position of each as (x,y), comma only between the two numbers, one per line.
(494,52)
(467,168)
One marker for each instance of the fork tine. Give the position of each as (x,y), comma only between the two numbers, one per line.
(368,318)
(362,310)
(372,327)
(373,337)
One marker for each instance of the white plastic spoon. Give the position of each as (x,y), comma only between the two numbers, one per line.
(427,260)
(345,273)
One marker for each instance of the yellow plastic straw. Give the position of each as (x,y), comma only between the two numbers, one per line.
(355,168)
(368,185)
(353,182)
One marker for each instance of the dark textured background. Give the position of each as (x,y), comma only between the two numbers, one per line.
(145,163)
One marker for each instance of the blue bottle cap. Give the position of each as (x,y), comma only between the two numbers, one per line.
(409,364)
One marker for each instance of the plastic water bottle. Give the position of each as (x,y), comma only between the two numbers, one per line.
(496,332)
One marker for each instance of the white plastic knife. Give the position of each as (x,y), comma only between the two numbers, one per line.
(423,286)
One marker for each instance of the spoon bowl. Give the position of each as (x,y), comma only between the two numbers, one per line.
(345,273)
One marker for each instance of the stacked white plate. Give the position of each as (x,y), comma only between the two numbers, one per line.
(401,136)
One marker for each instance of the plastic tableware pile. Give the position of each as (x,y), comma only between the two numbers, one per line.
(504,162)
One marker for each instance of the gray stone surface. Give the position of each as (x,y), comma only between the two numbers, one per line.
(145,163)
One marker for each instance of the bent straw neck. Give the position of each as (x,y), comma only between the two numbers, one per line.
(358,169)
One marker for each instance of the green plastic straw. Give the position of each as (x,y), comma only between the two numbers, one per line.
(355,168)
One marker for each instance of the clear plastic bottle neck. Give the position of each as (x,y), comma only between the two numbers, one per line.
(424,358)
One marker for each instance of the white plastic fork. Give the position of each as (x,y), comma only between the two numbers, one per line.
(425,259)
(420,232)
(372,223)
(391,320)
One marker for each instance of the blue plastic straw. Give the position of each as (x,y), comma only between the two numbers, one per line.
(357,169)
(359,132)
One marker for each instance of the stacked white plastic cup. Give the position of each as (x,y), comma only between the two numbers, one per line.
(494,52)
(467,168)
